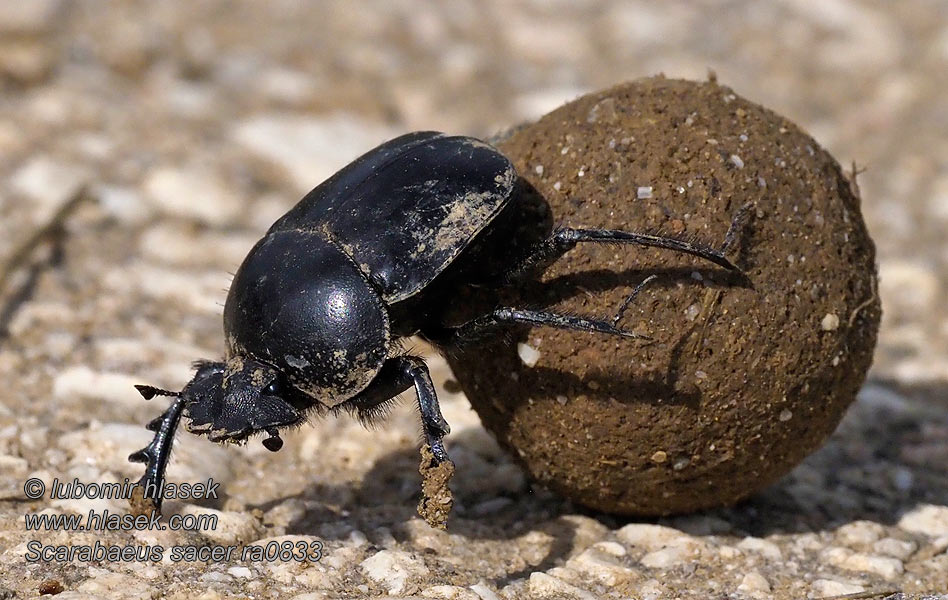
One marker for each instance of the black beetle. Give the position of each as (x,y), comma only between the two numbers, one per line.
(316,312)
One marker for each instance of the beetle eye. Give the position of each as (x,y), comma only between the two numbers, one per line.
(273,389)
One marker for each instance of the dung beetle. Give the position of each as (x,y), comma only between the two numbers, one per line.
(317,312)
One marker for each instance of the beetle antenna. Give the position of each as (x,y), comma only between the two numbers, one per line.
(274,442)
(148,392)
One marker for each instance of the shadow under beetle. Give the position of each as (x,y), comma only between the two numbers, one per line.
(315,314)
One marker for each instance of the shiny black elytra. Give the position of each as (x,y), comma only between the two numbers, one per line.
(315,313)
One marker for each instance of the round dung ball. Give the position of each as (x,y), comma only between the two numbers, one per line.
(743,375)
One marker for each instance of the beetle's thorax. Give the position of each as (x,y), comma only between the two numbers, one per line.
(300,304)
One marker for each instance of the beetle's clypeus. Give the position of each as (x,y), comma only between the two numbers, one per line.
(315,314)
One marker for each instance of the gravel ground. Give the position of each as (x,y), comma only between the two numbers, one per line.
(197,124)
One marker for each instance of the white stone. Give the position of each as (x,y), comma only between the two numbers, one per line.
(240,571)
(826,588)
(393,569)
(124,204)
(528,354)
(610,548)
(753,582)
(830,322)
(652,590)
(172,244)
(546,586)
(667,557)
(287,85)
(860,533)
(115,585)
(216,577)
(190,192)
(314,574)
(900,549)
(449,592)
(907,286)
(484,592)
(12,466)
(13,471)
(28,16)
(47,182)
(765,548)
(926,519)
(600,566)
(888,568)
(231,527)
(650,537)
(82,382)
(203,290)
(309,149)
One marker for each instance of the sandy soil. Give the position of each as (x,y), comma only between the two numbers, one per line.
(198,124)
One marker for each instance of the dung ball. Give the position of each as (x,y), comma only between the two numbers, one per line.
(741,377)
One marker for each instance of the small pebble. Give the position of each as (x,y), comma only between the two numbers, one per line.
(528,354)
(900,549)
(753,582)
(393,568)
(826,588)
(859,533)
(888,568)
(50,587)
(830,322)
(765,548)
(601,566)
(546,586)
(926,519)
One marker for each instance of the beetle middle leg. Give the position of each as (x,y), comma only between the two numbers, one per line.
(397,375)
(485,325)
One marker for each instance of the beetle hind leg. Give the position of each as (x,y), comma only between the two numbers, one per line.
(564,239)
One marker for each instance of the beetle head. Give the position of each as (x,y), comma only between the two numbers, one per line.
(231,401)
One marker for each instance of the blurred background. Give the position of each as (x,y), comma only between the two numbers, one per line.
(196,124)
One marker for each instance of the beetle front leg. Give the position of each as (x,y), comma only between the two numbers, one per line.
(156,454)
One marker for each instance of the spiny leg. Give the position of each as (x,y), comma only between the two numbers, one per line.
(397,375)
(485,324)
(156,454)
(564,239)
